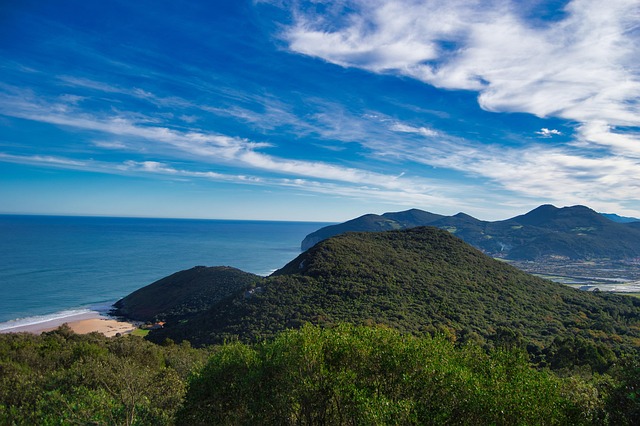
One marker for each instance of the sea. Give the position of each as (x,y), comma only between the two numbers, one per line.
(52,267)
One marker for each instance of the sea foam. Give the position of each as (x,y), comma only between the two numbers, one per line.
(39,319)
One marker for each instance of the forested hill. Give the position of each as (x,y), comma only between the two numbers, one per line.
(572,232)
(422,280)
(184,293)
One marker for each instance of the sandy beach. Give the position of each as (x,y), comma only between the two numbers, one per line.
(81,323)
(108,327)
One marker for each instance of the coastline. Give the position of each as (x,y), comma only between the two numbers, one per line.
(80,323)
(101,259)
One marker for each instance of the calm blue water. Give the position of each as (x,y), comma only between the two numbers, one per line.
(54,266)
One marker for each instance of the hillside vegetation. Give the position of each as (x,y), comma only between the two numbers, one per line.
(571,232)
(183,293)
(375,376)
(338,376)
(61,378)
(423,281)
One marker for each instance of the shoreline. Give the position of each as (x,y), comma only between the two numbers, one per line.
(80,323)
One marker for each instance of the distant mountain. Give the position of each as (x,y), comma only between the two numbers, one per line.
(419,280)
(620,219)
(184,293)
(635,225)
(372,223)
(546,232)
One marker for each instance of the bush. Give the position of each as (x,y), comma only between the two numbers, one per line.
(363,375)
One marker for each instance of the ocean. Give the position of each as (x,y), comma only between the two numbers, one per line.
(57,266)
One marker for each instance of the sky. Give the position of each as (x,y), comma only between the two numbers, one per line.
(318,110)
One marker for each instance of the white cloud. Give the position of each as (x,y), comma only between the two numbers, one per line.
(583,67)
(404,128)
(411,195)
(547,133)
(554,174)
(150,166)
(557,174)
(118,145)
(71,99)
(207,148)
(42,159)
(599,133)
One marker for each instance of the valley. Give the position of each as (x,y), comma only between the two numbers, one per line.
(605,275)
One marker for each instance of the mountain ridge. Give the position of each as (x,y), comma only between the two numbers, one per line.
(617,218)
(575,232)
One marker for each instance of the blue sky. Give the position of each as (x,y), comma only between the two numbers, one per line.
(320,111)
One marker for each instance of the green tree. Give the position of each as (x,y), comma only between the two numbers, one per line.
(363,375)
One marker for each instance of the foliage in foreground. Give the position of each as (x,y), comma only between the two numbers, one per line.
(343,375)
(363,375)
(64,378)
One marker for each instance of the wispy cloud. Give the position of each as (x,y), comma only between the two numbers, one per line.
(203,147)
(410,195)
(404,128)
(582,67)
(599,133)
(42,160)
(135,92)
(560,174)
(548,133)
(117,145)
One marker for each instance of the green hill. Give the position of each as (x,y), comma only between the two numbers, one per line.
(184,293)
(576,232)
(421,280)
(372,223)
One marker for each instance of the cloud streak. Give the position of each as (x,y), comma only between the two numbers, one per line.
(234,125)
(548,133)
(409,196)
(204,148)
(582,67)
